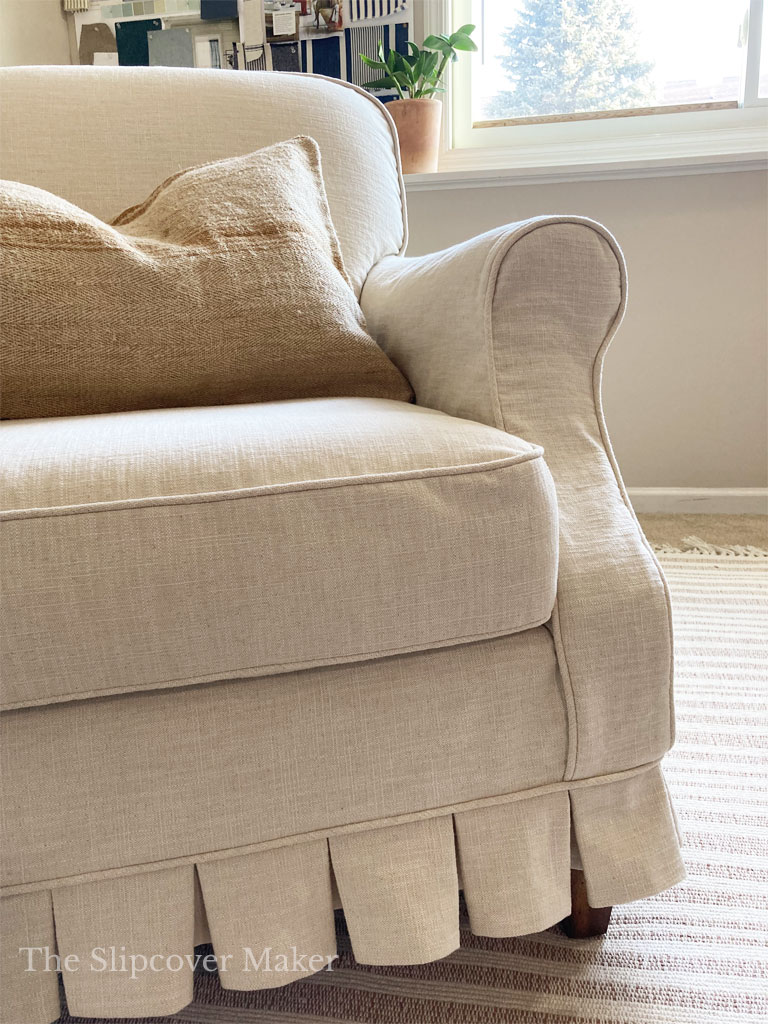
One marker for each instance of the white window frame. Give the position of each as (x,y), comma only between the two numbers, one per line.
(666,143)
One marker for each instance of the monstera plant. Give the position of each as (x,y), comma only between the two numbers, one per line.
(416,77)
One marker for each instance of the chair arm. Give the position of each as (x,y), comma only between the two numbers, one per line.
(511,329)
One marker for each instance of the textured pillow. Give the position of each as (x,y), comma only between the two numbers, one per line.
(227,285)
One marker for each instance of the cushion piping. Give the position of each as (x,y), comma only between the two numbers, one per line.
(200,498)
(256,672)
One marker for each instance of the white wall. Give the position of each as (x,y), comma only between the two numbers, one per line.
(686,378)
(33,32)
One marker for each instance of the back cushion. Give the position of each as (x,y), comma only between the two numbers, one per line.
(226,285)
(103,138)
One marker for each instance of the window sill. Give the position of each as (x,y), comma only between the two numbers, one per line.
(708,152)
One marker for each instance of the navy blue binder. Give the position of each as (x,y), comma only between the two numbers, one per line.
(212,10)
(132,44)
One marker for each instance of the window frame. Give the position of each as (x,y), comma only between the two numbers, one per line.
(702,137)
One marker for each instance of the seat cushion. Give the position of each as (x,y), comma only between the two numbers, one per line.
(168,547)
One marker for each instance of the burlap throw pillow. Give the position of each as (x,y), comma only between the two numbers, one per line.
(227,285)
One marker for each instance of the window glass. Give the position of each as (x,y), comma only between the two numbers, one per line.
(552,57)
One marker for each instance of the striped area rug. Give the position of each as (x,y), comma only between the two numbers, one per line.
(693,955)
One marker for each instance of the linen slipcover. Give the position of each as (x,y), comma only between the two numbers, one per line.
(401,778)
(387,784)
(527,312)
(173,546)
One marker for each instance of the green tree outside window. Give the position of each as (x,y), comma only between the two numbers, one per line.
(569,56)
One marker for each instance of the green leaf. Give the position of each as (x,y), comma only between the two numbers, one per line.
(372,63)
(465,30)
(402,65)
(464,43)
(380,83)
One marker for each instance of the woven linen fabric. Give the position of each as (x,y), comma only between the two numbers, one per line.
(355,769)
(398,886)
(235,764)
(168,547)
(77,153)
(279,899)
(522,318)
(226,285)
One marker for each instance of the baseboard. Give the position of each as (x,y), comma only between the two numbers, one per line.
(723,500)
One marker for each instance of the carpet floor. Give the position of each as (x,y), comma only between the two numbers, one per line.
(672,530)
(693,955)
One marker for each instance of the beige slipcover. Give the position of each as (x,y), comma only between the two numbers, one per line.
(346,515)
(243,808)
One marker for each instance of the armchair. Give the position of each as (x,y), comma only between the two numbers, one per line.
(359,653)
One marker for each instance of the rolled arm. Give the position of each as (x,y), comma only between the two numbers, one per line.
(510,329)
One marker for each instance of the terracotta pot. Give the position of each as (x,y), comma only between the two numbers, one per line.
(418,127)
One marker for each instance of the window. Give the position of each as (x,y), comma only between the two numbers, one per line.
(556,59)
(583,82)
(762,89)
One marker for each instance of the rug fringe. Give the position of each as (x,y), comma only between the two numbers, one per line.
(697,546)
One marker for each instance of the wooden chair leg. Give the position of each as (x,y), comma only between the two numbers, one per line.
(585,922)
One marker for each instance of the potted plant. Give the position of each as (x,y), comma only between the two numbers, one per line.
(416,78)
